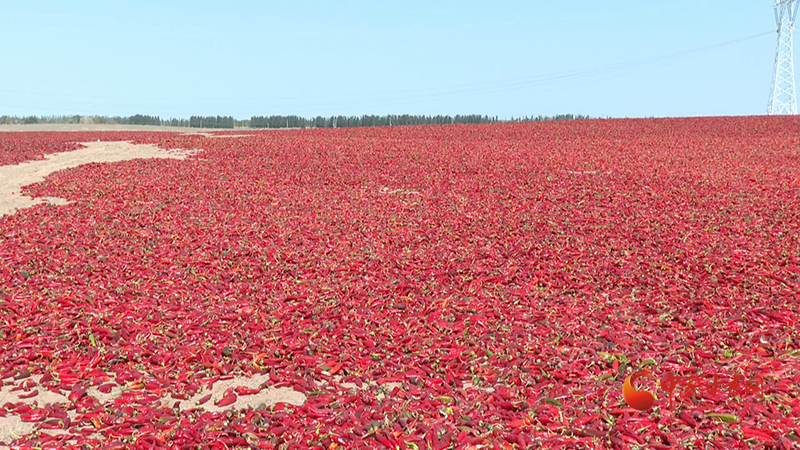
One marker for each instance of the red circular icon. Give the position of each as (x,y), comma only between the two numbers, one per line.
(640,400)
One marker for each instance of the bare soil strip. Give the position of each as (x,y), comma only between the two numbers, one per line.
(13,178)
(12,427)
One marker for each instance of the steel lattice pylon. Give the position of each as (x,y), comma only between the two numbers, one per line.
(783,100)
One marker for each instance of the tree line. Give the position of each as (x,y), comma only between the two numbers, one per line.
(364,121)
(277,121)
(212,122)
(392,120)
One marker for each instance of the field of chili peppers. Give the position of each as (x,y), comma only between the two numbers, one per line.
(481,286)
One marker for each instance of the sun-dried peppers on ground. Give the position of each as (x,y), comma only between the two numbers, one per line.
(422,287)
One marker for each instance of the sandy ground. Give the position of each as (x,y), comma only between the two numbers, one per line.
(12,178)
(12,427)
(108,127)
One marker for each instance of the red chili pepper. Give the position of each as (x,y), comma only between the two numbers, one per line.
(52,424)
(520,423)
(76,393)
(336,368)
(35,416)
(241,390)
(688,419)
(228,399)
(31,394)
(105,388)
(204,399)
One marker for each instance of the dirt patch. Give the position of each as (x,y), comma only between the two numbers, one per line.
(12,178)
(12,427)
(266,397)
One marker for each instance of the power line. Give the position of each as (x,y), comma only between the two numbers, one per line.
(456,91)
(562,77)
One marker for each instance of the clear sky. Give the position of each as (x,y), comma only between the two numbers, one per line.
(505,58)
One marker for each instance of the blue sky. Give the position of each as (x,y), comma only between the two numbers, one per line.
(505,58)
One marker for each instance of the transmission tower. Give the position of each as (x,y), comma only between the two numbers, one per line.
(783,100)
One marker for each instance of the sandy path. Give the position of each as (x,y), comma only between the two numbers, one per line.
(12,178)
